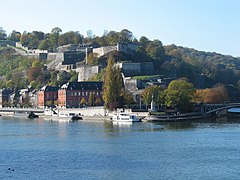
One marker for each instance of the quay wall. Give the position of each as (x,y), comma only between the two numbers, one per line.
(89,111)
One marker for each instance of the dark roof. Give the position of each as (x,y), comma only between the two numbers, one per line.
(83,86)
(49,88)
(7,91)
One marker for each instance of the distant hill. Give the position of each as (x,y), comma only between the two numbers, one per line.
(217,68)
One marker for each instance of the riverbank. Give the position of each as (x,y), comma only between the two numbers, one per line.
(168,118)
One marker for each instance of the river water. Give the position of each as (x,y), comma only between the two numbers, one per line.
(39,149)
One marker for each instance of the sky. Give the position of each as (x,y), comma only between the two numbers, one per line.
(206,25)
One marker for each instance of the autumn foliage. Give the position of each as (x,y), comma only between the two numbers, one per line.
(217,94)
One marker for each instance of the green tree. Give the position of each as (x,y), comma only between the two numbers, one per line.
(33,84)
(155,51)
(125,36)
(44,45)
(91,99)
(92,59)
(54,36)
(180,94)
(128,98)
(112,94)
(3,34)
(70,37)
(154,93)
(9,84)
(83,102)
(14,36)
(74,76)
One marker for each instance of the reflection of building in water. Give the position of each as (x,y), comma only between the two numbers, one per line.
(62,126)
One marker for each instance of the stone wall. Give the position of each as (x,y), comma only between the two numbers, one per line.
(86,72)
(72,57)
(40,56)
(147,68)
(131,85)
(134,69)
(130,69)
(104,50)
(89,111)
(6,43)
(127,48)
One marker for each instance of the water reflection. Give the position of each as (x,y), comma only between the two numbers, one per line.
(178,125)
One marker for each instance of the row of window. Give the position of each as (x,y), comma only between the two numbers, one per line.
(82,93)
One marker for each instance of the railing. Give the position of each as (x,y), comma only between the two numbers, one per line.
(14,109)
(210,108)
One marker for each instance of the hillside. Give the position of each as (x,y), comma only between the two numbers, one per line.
(204,69)
(216,68)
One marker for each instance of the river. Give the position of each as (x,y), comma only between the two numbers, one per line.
(39,149)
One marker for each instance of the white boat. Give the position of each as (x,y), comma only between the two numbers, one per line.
(55,115)
(69,116)
(123,117)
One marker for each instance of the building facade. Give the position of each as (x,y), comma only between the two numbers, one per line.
(80,94)
(47,96)
(5,96)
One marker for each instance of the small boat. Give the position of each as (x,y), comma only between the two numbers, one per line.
(68,116)
(123,117)
(32,115)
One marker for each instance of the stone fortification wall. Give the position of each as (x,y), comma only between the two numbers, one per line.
(147,68)
(57,62)
(131,69)
(69,47)
(52,56)
(127,48)
(132,85)
(7,43)
(86,72)
(134,69)
(104,50)
(40,56)
(19,45)
(72,57)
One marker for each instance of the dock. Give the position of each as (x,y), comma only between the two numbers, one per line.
(169,118)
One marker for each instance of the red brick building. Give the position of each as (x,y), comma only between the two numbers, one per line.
(78,94)
(47,96)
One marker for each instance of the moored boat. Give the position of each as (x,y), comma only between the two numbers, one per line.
(123,117)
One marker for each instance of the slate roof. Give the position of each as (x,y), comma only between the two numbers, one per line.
(83,85)
(49,88)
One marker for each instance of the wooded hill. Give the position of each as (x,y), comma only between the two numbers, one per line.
(170,61)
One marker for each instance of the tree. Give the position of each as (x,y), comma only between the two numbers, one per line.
(154,93)
(9,84)
(92,59)
(83,102)
(125,36)
(144,41)
(14,36)
(91,99)
(112,93)
(3,34)
(54,36)
(74,76)
(128,98)
(33,84)
(44,45)
(155,50)
(217,94)
(180,94)
(70,37)
(25,38)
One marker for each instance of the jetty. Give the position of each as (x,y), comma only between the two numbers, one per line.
(168,118)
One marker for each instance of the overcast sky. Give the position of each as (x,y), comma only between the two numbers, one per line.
(208,25)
